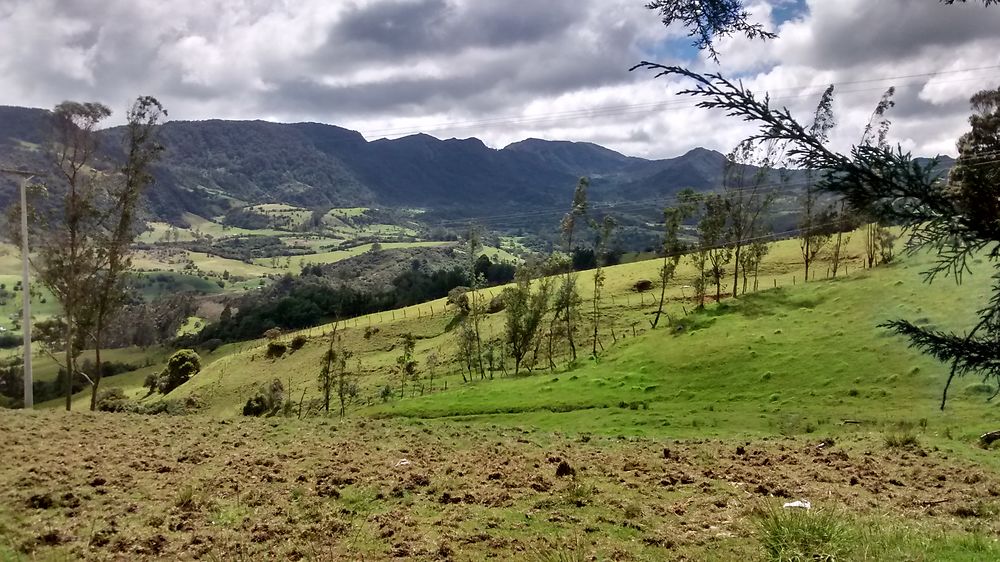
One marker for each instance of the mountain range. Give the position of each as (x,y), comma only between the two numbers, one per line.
(211,166)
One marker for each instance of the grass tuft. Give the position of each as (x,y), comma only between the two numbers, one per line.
(797,535)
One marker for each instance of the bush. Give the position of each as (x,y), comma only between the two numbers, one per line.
(181,366)
(298,341)
(275,350)
(386,393)
(268,400)
(113,400)
(211,345)
(9,340)
(905,440)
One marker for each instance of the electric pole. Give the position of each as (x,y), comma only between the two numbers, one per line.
(25,284)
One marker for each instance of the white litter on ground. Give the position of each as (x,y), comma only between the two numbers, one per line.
(800,504)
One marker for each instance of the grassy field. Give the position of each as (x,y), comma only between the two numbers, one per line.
(680,443)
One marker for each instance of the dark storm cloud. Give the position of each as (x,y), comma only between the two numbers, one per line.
(862,33)
(410,29)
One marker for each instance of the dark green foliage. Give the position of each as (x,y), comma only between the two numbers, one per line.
(108,368)
(211,345)
(275,350)
(244,248)
(499,273)
(298,341)
(9,340)
(246,218)
(153,286)
(181,366)
(293,303)
(584,259)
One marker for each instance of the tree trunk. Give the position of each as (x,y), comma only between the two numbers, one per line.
(736,268)
(805,256)
(96,378)
(663,292)
(68,387)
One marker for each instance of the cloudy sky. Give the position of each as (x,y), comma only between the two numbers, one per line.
(500,70)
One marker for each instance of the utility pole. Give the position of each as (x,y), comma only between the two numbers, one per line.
(25,284)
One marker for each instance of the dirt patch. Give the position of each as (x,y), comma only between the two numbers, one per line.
(166,488)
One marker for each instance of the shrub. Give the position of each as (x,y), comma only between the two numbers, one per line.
(9,340)
(113,400)
(905,440)
(181,366)
(298,341)
(275,350)
(386,393)
(267,401)
(211,345)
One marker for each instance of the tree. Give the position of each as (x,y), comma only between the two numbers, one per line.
(813,234)
(707,20)
(712,242)
(844,223)
(567,296)
(115,241)
(474,316)
(604,231)
(957,218)
(748,198)
(524,312)
(752,258)
(64,232)
(328,369)
(406,366)
(673,248)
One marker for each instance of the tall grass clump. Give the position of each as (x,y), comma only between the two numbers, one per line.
(797,535)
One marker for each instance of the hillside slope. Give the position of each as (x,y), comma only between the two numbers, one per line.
(797,358)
